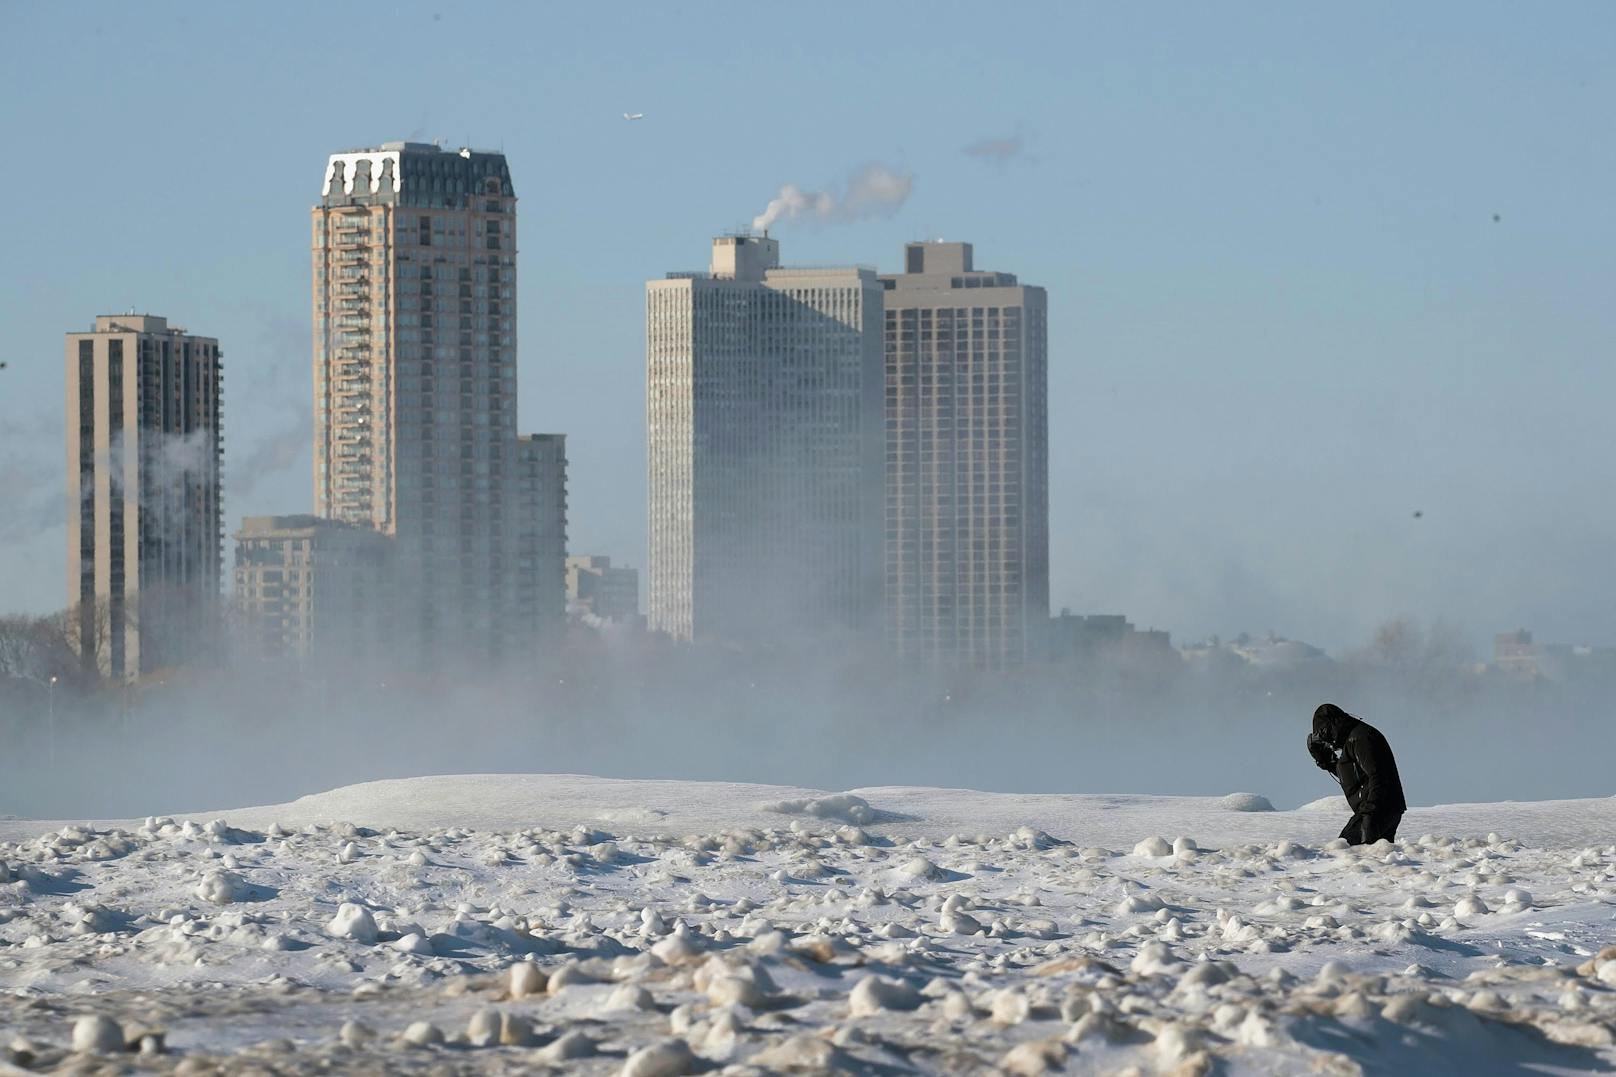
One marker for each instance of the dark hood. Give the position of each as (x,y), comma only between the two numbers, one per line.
(1333,724)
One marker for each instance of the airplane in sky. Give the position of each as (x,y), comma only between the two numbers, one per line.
(633,115)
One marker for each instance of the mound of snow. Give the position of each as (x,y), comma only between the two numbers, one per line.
(526,979)
(353,922)
(842,807)
(920,868)
(1245,802)
(666,1058)
(1330,804)
(221,887)
(876,993)
(635,816)
(101,1035)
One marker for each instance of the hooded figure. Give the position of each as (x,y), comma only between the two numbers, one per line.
(1366,770)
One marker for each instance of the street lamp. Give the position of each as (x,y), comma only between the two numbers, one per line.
(50,696)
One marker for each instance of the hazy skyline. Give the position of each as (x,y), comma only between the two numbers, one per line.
(1309,271)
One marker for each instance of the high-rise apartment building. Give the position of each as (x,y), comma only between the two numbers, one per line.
(967,461)
(144,525)
(309,587)
(763,412)
(538,609)
(415,387)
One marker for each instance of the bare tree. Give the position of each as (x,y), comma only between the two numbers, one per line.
(1397,644)
(88,629)
(35,649)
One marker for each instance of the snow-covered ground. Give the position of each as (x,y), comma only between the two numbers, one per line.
(500,923)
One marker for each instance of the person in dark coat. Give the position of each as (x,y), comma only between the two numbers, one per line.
(1361,760)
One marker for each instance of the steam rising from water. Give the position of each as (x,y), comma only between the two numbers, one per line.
(874,190)
(262,732)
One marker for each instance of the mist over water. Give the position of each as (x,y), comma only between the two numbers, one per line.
(259,734)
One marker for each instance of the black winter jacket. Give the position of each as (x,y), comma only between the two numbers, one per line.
(1366,768)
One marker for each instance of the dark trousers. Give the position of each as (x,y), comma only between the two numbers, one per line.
(1364,829)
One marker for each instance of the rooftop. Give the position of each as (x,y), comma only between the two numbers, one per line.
(136,323)
(401,146)
(415,173)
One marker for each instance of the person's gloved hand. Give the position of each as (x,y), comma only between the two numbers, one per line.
(1321,752)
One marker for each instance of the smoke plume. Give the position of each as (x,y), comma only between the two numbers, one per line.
(272,454)
(874,190)
(997,150)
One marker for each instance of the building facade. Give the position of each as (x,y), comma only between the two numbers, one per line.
(763,415)
(967,461)
(414,251)
(538,598)
(307,586)
(597,587)
(144,527)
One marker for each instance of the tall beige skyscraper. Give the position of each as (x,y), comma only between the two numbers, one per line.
(144,526)
(763,413)
(967,461)
(415,386)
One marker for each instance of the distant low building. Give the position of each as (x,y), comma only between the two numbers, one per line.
(1277,653)
(1096,637)
(307,586)
(1517,654)
(1270,654)
(596,587)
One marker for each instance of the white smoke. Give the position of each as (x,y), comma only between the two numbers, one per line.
(169,462)
(872,190)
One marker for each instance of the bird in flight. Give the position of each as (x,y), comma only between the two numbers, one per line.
(633,115)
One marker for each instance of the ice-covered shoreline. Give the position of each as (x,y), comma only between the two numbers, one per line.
(673,927)
(562,801)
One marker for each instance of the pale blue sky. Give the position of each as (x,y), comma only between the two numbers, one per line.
(1283,316)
